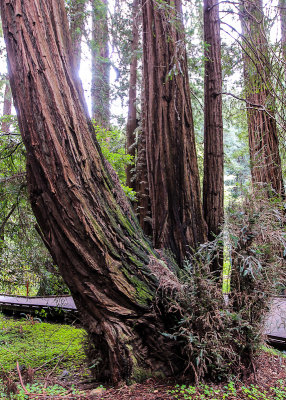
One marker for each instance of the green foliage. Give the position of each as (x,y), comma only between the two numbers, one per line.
(23,257)
(36,388)
(112,144)
(221,338)
(230,391)
(51,282)
(40,344)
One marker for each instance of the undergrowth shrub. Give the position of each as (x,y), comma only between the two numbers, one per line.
(221,335)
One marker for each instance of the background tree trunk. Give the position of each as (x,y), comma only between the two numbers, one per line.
(282,9)
(100,69)
(143,207)
(132,114)
(77,21)
(7,107)
(263,139)
(85,220)
(213,186)
(5,129)
(173,176)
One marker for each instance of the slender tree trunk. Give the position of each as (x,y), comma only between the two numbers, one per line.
(4,222)
(263,139)
(213,186)
(77,21)
(100,89)
(5,129)
(282,11)
(7,107)
(143,207)
(174,187)
(85,220)
(132,114)
(282,8)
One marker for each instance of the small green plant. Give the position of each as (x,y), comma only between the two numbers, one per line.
(199,392)
(279,390)
(230,391)
(36,388)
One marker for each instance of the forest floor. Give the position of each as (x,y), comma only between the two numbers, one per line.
(268,383)
(52,366)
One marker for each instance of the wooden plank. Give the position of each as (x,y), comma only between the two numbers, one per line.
(62,302)
(275,323)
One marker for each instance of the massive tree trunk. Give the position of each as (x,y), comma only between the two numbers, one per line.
(85,220)
(100,68)
(132,117)
(213,186)
(173,176)
(263,139)
(77,20)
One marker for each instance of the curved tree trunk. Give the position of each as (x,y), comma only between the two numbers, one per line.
(86,221)
(213,186)
(173,176)
(265,160)
(100,68)
(132,117)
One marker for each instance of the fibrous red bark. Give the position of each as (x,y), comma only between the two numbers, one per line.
(173,177)
(100,69)
(265,159)
(282,9)
(77,21)
(132,112)
(84,218)
(213,186)
(7,107)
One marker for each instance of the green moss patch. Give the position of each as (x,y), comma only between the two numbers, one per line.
(40,344)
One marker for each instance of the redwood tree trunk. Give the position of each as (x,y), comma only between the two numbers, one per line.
(7,107)
(282,8)
(265,160)
(143,207)
(100,69)
(77,20)
(132,114)
(213,186)
(173,177)
(5,129)
(84,217)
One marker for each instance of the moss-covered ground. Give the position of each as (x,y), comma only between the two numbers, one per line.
(40,345)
